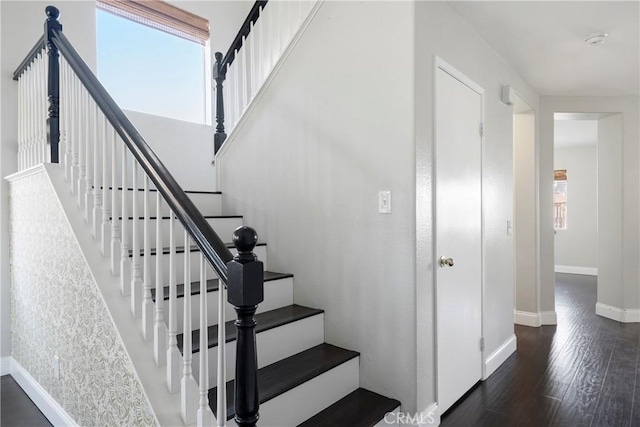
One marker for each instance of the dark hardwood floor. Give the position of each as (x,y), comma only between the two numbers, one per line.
(583,372)
(16,409)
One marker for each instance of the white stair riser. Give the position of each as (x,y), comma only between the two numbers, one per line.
(223,227)
(277,293)
(273,345)
(260,251)
(302,402)
(207,204)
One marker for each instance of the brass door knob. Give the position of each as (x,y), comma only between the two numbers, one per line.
(444,262)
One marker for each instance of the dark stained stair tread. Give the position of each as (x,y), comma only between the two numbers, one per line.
(154,190)
(289,373)
(180,249)
(153,217)
(361,408)
(265,321)
(212,285)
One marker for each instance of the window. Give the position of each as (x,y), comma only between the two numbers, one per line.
(152,58)
(560,199)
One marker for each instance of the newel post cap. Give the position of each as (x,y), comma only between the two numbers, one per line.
(245,273)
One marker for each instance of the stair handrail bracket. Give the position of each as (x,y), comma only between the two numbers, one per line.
(66,116)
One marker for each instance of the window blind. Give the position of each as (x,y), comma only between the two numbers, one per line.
(560,175)
(161,16)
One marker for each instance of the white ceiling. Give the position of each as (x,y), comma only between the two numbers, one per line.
(544,42)
(575,133)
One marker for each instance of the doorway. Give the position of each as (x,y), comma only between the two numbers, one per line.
(459,106)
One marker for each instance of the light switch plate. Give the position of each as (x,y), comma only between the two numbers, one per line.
(384,202)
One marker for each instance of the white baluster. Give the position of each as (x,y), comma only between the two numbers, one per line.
(106,206)
(245,76)
(173,354)
(75,132)
(125,263)
(251,63)
(237,86)
(274,33)
(116,211)
(221,404)
(228,102)
(147,302)
(97,176)
(136,274)
(66,118)
(260,73)
(89,148)
(82,143)
(160,331)
(205,416)
(189,388)
(41,147)
(44,110)
(20,122)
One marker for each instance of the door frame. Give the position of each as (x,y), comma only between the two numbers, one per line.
(442,65)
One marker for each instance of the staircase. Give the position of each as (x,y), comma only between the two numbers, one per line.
(175,272)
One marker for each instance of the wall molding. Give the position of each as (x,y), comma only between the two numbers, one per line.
(499,356)
(5,365)
(569,269)
(618,314)
(40,397)
(526,318)
(548,318)
(430,413)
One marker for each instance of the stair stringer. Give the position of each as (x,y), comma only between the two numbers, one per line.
(165,406)
(246,114)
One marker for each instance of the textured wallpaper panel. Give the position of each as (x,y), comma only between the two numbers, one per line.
(56,308)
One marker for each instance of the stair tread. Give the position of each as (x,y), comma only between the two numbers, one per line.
(212,285)
(265,321)
(286,374)
(130,217)
(180,249)
(361,408)
(154,190)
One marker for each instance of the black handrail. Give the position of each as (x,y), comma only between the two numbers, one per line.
(253,16)
(220,69)
(210,244)
(29,58)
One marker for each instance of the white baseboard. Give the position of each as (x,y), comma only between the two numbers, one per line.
(42,399)
(5,365)
(587,271)
(498,357)
(618,314)
(526,318)
(548,318)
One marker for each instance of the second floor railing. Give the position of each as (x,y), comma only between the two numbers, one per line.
(67,117)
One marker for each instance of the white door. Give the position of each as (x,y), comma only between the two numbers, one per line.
(458,234)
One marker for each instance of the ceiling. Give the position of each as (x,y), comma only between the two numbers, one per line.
(544,42)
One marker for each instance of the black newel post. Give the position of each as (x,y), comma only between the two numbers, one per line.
(219,75)
(246,291)
(53,82)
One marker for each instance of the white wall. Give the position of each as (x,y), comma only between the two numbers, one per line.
(577,246)
(185,148)
(334,128)
(625,288)
(440,31)
(21,26)
(525,213)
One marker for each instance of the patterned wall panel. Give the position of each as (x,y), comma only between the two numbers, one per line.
(57,309)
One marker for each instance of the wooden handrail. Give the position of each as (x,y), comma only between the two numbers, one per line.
(245,29)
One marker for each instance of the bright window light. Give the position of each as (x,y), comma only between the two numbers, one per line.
(151,71)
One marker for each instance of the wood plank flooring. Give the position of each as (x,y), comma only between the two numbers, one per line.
(16,409)
(583,372)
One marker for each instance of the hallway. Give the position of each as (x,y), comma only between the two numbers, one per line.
(583,372)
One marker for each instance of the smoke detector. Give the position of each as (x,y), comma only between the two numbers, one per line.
(595,39)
